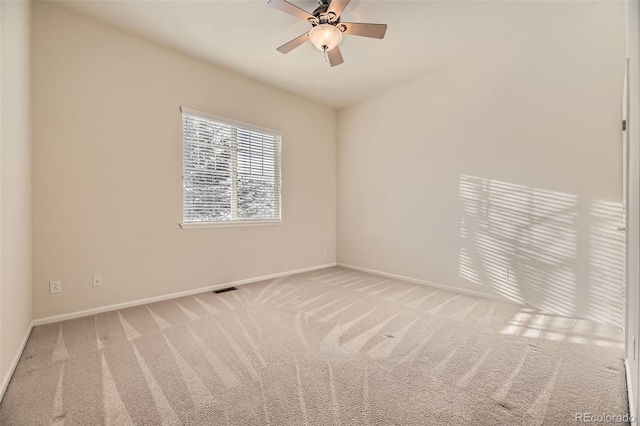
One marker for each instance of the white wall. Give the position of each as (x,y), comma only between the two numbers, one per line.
(507,160)
(15,184)
(107,162)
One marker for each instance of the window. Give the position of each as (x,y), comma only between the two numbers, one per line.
(231,171)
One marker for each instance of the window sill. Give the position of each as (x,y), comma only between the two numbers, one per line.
(230,224)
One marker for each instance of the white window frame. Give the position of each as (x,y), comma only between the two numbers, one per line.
(235,124)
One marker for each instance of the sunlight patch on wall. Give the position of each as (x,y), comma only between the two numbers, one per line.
(546,248)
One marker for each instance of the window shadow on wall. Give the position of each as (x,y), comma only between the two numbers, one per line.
(557,252)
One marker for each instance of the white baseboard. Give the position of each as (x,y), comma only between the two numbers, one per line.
(7,377)
(429,283)
(632,402)
(98,310)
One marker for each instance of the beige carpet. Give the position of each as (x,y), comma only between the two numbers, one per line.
(327,347)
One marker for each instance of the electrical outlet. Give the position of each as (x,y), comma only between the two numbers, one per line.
(324,249)
(55,287)
(97,280)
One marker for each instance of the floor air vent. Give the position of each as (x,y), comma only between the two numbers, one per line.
(224,290)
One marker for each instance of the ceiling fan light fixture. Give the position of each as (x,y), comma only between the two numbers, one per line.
(325,36)
(326,28)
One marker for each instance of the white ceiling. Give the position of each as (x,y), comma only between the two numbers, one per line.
(242,35)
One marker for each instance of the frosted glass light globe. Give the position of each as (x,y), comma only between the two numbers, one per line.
(325,36)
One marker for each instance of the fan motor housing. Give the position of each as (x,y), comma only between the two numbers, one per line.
(320,9)
(321,15)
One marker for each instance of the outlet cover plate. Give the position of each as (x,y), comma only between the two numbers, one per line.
(97,280)
(55,287)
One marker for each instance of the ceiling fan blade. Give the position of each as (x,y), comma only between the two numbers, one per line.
(289,46)
(291,9)
(365,30)
(337,6)
(335,56)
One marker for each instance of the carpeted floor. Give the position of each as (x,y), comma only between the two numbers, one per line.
(333,346)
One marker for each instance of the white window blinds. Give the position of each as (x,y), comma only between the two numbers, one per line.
(231,171)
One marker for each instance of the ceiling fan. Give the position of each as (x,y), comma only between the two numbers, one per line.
(326,28)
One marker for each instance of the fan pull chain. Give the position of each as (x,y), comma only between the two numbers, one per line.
(324,49)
